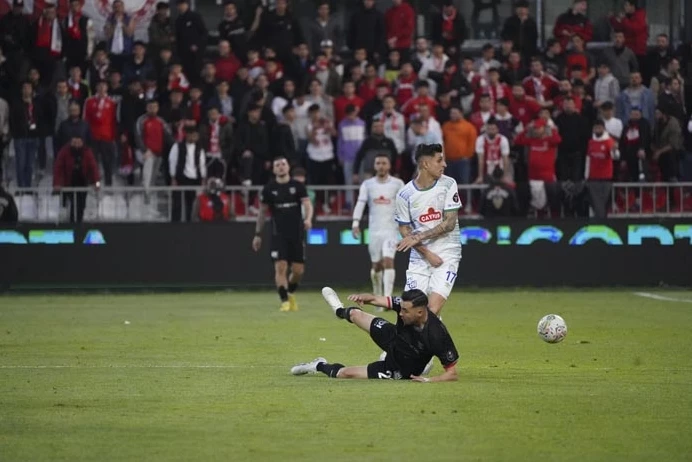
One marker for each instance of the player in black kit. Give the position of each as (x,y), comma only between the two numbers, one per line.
(410,344)
(285,198)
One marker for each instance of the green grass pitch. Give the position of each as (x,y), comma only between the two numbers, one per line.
(204,376)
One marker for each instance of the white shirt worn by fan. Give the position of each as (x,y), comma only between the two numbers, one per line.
(189,171)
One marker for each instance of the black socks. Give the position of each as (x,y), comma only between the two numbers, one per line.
(292,287)
(330,369)
(345,313)
(283,294)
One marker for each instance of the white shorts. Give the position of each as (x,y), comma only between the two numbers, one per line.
(421,275)
(382,246)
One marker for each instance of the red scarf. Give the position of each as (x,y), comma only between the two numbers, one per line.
(196,110)
(214,145)
(73,26)
(448,26)
(75,89)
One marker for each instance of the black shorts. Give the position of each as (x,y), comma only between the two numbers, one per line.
(383,333)
(382,370)
(288,249)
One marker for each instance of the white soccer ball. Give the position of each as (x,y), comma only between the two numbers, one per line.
(552,328)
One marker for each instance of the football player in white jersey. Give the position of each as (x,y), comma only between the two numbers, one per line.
(379,194)
(427,210)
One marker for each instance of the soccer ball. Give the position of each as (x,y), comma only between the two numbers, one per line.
(552,328)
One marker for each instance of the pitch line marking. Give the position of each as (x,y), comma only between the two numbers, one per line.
(132,366)
(662,298)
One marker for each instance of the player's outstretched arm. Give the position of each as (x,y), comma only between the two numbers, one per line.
(370,299)
(450,375)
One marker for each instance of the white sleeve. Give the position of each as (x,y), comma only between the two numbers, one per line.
(617,130)
(203,165)
(480,146)
(402,214)
(452,201)
(504,146)
(360,204)
(689,126)
(173,160)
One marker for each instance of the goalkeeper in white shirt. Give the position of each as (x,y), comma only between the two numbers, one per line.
(379,194)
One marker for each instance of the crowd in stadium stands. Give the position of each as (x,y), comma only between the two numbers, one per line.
(543,128)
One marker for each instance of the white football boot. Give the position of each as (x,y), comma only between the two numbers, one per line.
(307,368)
(332,299)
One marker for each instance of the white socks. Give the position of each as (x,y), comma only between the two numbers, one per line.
(389,276)
(376,278)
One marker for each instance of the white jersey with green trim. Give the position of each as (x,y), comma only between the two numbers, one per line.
(424,210)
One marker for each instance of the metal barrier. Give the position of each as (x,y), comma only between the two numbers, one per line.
(332,203)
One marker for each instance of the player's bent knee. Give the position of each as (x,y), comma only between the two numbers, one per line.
(388,263)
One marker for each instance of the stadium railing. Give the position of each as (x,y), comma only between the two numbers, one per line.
(332,203)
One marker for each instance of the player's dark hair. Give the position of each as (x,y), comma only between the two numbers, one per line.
(383,154)
(279,157)
(415,296)
(427,150)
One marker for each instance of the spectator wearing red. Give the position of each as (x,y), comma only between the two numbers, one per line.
(213,205)
(565,93)
(494,89)
(227,64)
(400,24)
(79,90)
(600,153)
(542,144)
(176,79)
(47,45)
(422,97)
(523,107)
(348,98)
(540,85)
(368,88)
(216,136)
(573,22)
(100,113)
(483,114)
(78,36)
(579,57)
(194,105)
(634,25)
(492,150)
(153,138)
(405,84)
(75,166)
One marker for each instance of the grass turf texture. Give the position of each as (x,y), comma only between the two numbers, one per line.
(618,387)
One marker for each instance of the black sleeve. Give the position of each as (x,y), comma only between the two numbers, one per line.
(298,35)
(395,303)
(265,196)
(301,191)
(444,348)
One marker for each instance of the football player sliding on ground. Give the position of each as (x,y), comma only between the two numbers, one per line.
(417,336)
